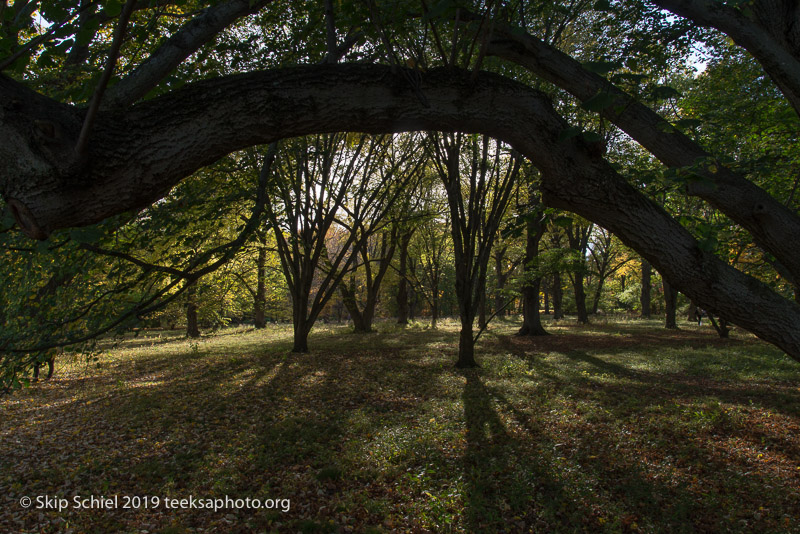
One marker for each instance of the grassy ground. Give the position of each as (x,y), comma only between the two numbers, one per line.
(616,427)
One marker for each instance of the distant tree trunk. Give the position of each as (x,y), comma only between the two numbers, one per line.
(50,367)
(502,277)
(722,328)
(482,310)
(546,299)
(578,237)
(645,296)
(596,298)
(558,294)
(402,285)
(501,281)
(192,330)
(259,319)
(434,311)
(349,300)
(691,313)
(670,301)
(531,322)
(412,296)
(580,298)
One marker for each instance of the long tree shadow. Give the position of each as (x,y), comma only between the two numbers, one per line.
(504,479)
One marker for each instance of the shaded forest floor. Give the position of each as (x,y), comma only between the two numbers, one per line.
(616,427)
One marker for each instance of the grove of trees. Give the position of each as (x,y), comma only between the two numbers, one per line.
(186,162)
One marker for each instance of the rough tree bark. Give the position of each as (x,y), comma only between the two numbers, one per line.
(135,156)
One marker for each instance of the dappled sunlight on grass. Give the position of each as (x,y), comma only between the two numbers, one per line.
(615,427)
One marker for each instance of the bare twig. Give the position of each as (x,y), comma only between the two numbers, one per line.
(97,97)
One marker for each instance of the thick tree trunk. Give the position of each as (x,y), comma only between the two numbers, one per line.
(558,294)
(301,323)
(300,340)
(192,329)
(466,344)
(644,298)
(531,322)
(670,304)
(259,319)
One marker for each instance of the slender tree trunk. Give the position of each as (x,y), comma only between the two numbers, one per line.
(670,301)
(402,285)
(580,299)
(482,310)
(502,277)
(192,329)
(596,298)
(558,293)
(546,301)
(259,320)
(360,324)
(645,296)
(434,311)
